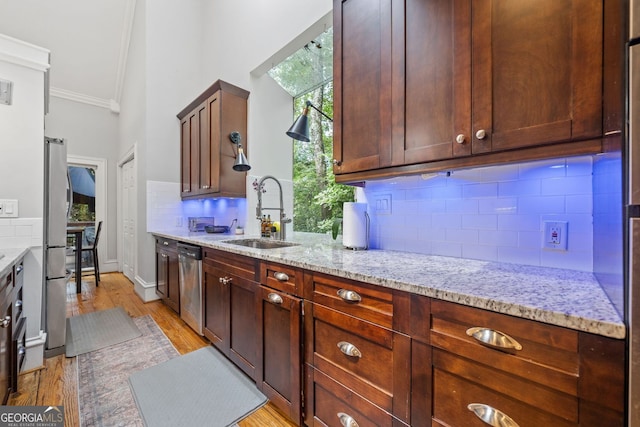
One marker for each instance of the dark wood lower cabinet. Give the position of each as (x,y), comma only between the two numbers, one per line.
(279,373)
(168,273)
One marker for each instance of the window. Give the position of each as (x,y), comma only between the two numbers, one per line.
(308,76)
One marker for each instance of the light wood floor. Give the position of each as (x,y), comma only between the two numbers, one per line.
(57,383)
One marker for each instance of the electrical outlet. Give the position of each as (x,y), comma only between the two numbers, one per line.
(555,235)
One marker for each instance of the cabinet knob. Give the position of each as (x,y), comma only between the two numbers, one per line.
(349,349)
(19,269)
(164,255)
(6,322)
(165,243)
(460,138)
(337,162)
(347,420)
(206,187)
(481,134)
(19,303)
(274,298)
(493,338)
(491,416)
(350,296)
(282,277)
(225,280)
(21,350)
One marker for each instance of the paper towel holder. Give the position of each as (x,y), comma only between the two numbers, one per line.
(360,248)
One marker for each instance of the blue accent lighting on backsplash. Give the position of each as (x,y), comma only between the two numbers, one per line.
(493,213)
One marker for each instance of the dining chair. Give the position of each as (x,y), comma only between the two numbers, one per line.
(93,250)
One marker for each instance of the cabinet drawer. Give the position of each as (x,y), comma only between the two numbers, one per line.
(516,388)
(281,277)
(546,354)
(368,302)
(454,394)
(166,243)
(368,359)
(238,265)
(330,400)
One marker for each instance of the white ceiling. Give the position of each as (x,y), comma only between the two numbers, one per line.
(88,41)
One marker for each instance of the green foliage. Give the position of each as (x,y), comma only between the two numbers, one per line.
(81,213)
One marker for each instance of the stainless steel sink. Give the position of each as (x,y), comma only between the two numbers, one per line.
(260,243)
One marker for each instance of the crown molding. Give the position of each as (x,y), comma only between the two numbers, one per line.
(108,104)
(25,54)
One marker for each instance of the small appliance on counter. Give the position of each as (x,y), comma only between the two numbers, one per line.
(355,226)
(199,223)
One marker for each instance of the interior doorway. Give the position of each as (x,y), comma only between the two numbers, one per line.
(127,213)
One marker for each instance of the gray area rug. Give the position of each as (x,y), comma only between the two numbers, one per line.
(93,331)
(201,388)
(104,394)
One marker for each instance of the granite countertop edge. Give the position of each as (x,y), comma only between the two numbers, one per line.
(565,298)
(11,255)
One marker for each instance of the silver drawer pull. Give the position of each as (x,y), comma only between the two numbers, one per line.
(21,350)
(205,187)
(164,255)
(165,243)
(19,269)
(347,420)
(491,416)
(282,277)
(351,296)
(19,303)
(349,349)
(274,298)
(6,322)
(225,280)
(493,338)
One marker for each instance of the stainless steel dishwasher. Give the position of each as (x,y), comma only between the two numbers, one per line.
(191,292)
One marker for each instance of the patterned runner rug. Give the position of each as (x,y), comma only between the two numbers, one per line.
(104,394)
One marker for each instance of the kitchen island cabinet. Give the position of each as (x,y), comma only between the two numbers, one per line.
(472,84)
(206,153)
(167,273)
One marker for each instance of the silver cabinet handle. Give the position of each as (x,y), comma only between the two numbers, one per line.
(225,280)
(349,349)
(165,243)
(186,191)
(274,298)
(347,420)
(19,269)
(164,255)
(350,296)
(205,187)
(491,416)
(6,322)
(19,303)
(493,338)
(282,277)
(21,350)
(337,162)
(460,138)
(481,134)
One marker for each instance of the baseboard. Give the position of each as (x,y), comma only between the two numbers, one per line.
(109,266)
(145,290)
(35,352)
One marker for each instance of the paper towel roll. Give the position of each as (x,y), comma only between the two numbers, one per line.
(355,226)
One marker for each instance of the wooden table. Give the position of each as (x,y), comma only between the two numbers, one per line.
(77,232)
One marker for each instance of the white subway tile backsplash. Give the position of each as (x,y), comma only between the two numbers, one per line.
(492,213)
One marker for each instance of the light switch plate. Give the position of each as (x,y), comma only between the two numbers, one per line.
(8,208)
(6,88)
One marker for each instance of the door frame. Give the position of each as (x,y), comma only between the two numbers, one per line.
(131,154)
(100,166)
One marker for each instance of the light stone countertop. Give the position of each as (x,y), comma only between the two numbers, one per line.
(11,255)
(567,298)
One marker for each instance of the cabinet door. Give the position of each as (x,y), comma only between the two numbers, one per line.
(279,370)
(362,82)
(243,339)
(173,282)
(5,351)
(162,273)
(210,146)
(216,308)
(431,80)
(537,72)
(192,128)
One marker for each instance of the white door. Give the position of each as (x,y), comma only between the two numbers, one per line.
(128,219)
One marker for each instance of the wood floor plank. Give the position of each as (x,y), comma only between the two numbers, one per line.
(57,383)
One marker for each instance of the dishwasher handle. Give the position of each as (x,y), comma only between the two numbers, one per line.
(190,251)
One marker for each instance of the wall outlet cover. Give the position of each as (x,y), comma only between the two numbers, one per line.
(555,235)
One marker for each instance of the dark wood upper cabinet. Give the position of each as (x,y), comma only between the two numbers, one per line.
(207,155)
(431,85)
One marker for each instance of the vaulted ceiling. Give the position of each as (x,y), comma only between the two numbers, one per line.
(88,40)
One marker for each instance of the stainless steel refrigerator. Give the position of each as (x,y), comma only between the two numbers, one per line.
(57,192)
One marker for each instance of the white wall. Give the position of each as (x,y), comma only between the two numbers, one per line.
(22,173)
(92,132)
(187,46)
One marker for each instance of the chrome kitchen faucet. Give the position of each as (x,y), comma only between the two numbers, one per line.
(283,216)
